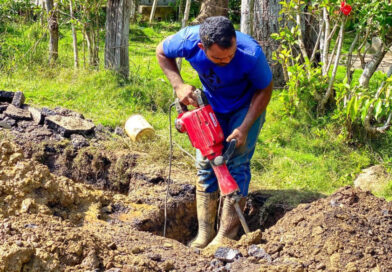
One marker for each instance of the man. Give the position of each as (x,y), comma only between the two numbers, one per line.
(237,82)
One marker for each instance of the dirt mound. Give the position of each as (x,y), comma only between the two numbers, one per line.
(50,223)
(109,216)
(350,230)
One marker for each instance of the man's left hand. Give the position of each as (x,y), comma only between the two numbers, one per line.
(239,135)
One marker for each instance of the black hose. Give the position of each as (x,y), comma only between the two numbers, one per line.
(170,164)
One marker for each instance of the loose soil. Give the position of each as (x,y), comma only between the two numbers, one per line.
(66,206)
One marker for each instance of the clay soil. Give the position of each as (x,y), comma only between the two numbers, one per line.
(64,207)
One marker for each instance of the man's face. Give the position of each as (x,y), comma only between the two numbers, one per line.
(220,56)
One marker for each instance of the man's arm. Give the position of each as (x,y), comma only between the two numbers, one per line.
(169,67)
(257,106)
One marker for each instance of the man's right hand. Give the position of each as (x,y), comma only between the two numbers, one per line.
(185,94)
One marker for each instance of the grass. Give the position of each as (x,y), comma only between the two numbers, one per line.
(291,154)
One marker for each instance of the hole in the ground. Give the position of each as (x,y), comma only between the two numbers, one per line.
(182,217)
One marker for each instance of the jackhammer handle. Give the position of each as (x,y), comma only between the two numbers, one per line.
(180,107)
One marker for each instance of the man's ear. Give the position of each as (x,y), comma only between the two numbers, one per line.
(201,46)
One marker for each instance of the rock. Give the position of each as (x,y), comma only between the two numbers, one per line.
(78,141)
(112,246)
(136,250)
(215,263)
(4,124)
(14,258)
(372,178)
(251,238)
(119,131)
(68,125)
(155,257)
(10,121)
(3,106)
(226,254)
(47,112)
(18,99)
(259,253)
(67,112)
(19,243)
(41,132)
(167,245)
(91,261)
(168,265)
(6,96)
(30,225)
(26,205)
(36,115)
(113,270)
(17,113)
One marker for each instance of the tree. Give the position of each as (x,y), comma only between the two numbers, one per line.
(53,31)
(212,8)
(90,10)
(246,16)
(117,35)
(74,38)
(266,17)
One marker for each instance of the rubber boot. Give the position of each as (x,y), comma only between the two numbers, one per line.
(229,222)
(206,205)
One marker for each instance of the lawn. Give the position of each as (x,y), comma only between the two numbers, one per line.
(304,155)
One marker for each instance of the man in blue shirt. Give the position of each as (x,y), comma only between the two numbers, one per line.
(237,82)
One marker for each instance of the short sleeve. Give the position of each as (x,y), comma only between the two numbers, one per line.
(173,46)
(261,74)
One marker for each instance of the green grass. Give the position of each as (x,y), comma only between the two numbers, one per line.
(304,155)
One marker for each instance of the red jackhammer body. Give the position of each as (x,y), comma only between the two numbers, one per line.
(206,134)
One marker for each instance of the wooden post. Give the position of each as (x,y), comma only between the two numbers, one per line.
(153,8)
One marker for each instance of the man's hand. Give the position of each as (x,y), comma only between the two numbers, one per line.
(185,94)
(239,135)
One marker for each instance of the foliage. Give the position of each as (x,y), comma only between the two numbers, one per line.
(352,102)
(11,10)
(357,101)
(292,153)
(235,11)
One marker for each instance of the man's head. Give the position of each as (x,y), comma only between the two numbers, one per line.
(218,40)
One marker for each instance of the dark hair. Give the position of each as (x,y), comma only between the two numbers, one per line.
(217,30)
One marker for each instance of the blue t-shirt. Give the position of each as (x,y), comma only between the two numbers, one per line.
(230,87)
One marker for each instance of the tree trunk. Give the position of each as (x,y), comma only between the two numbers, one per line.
(246,16)
(266,14)
(91,35)
(133,10)
(180,10)
(153,8)
(212,8)
(372,66)
(74,38)
(328,94)
(186,13)
(53,31)
(117,36)
(311,31)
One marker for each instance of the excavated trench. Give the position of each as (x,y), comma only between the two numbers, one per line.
(115,173)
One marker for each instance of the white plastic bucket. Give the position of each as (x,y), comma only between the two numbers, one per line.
(138,128)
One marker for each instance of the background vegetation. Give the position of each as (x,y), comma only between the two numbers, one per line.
(297,149)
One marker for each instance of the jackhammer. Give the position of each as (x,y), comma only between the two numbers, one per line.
(206,134)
